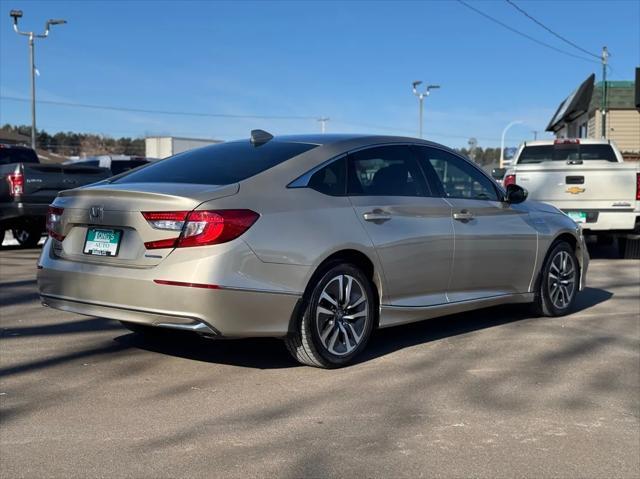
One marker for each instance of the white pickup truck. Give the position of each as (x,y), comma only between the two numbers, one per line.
(588,181)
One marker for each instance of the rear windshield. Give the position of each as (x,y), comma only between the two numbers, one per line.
(220,164)
(566,152)
(17,155)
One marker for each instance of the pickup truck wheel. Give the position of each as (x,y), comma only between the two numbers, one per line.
(629,248)
(558,285)
(28,236)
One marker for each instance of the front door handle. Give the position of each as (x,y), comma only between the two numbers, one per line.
(376,215)
(463,215)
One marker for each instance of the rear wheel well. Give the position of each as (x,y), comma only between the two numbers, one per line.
(354,257)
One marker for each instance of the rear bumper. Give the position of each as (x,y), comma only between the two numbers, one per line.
(240,303)
(609,220)
(13,214)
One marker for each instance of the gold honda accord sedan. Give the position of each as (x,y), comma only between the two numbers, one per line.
(316,239)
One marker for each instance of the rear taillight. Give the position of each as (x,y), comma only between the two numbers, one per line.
(54,219)
(509,180)
(637,186)
(166,220)
(16,184)
(199,228)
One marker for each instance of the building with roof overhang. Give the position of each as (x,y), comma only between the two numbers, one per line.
(579,115)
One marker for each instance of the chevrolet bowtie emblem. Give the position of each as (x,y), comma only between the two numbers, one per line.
(574,190)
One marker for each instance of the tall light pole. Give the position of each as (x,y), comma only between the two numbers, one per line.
(604,58)
(16,14)
(504,132)
(323,123)
(421,96)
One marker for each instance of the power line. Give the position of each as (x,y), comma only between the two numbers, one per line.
(222,115)
(539,42)
(162,112)
(412,132)
(557,35)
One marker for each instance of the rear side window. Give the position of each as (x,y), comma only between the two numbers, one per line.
(566,152)
(17,155)
(220,164)
(331,180)
(385,171)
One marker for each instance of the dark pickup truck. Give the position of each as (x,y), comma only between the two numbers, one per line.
(27,187)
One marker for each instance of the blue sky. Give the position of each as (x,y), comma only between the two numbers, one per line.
(351,61)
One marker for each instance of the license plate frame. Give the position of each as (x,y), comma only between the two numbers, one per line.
(107,252)
(578,217)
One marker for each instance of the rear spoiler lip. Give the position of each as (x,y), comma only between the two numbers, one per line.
(195,193)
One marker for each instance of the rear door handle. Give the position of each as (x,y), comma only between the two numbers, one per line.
(377,215)
(463,215)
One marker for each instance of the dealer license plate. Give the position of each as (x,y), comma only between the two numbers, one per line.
(578,216)
(102,242)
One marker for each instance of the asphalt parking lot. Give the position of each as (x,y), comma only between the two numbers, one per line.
(493,393)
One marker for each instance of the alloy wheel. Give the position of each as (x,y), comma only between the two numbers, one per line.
(342,314)
(562,279)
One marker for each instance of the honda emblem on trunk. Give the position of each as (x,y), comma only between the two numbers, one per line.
(96,213)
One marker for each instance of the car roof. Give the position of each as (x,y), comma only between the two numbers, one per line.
(329,139)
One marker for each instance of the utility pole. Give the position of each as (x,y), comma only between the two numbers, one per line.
(535,134)
(421,96)
(605,57)
(323,121)
(16,14)
(504,133)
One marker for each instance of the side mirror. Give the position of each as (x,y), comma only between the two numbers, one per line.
(516,194)
(498,173)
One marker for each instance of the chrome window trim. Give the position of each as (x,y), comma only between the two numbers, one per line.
(303,180)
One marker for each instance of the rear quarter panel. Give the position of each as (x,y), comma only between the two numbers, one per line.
(298,227)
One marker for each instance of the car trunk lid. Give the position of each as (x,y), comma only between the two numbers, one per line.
(118,208)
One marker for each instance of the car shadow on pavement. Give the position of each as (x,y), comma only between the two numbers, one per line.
(269,353)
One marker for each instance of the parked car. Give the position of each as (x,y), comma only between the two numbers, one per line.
(27,187)
(589,181)
(116,164)
(316,239)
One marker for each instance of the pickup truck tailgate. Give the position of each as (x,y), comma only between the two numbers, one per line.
(42,182)
(605,183)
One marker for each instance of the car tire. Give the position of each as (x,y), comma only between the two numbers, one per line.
(559,281)
(28,236)
(335,319)
(629,248)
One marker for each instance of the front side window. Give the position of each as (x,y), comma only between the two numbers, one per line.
(385,171)
(458,178)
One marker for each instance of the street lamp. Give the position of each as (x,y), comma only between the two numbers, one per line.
(504,132)
(16,14)
(421,96)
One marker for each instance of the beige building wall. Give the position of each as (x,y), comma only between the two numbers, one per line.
(624,129)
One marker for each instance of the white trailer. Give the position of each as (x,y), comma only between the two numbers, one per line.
(164,146)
